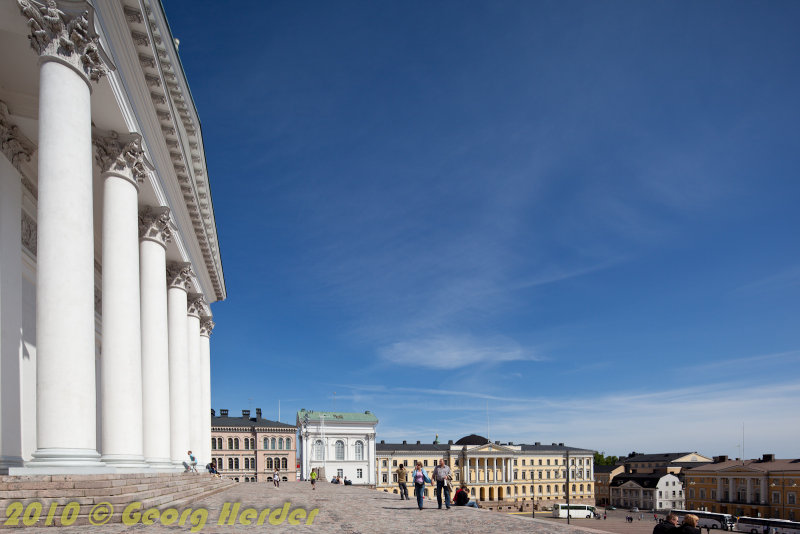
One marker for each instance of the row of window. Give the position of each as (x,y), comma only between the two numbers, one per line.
(580,472)
(250,463)
(278,444)
(319,450)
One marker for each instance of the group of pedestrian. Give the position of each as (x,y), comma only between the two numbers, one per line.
(443,478)
(670,525)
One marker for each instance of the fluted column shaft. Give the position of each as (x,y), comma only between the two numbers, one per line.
(178,279)
(65,382)
(155,232)
(120,159)
(206,326)
(194,310)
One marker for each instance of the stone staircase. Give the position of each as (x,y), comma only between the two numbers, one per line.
(55,492)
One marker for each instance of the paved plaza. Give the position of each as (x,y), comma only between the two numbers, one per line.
(346,510)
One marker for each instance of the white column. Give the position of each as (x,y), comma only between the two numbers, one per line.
(503,462)
(121,162)
(195,308)
(15,149)
(69,56)
(206,326)
(494,470)
(154,233)
(178,275)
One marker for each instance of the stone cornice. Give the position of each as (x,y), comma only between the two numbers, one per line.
(64,31)
(120,155)
(155,225)
(179,274)
(16,147)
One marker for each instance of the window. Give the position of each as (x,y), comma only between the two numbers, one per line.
(230,443)
(230,463)
(236,463)
(548,461)
(540,490)
(394,477)
(340,450)
(269,462)
(425,463)
(360,451)
(385,480)
(266,443)
(288,443)
(236,443)
(549,490)
(213,444)
(540,461)
(318,450)
(283,463)
(272,444)
(791,499)
(280,443)
(384,463)
(776,497)
(581,488)
(339,473)
(523,461)
(246,444)
(515,461)
(394,463)
(360,473)
(253,443)
(523,475)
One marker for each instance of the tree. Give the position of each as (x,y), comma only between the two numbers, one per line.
(601,459)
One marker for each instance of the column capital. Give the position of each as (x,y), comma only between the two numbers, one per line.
(64,32)
(179,274)
(13,143)
(120,155)
(206,325)
(196,305)
(155,225)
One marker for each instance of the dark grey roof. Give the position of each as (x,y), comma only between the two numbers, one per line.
(411,447)
(555,447)
(659,457)
(217,421)
(472,439)
(604,468)
(689,465)
(648,480)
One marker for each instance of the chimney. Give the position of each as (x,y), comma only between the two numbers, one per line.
(223,412)
(383,442)
(768,458)
(720,459)
(449,441)
(538,443)
(418,442)
(213,413)
(555,444)
(258,413)
(404,442)
(510,442)
(497,442)
(560,444)
(246,414)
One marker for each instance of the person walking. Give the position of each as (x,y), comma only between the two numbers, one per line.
(420,477)
(276,478)
(442,476)
(401,481)
(313,479)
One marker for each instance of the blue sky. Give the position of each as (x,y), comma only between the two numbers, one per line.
(581,215)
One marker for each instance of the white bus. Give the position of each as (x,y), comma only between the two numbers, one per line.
(575,510)
(760,525)
(708,519)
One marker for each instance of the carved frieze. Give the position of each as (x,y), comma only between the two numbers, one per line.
(133,15)
(69,36)
(140,39)
(154,224)
(147,61)
(16,147)
(121,154)
(29,233)
(179,274)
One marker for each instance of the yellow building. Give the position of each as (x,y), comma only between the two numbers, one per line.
(766,487)
(499,473)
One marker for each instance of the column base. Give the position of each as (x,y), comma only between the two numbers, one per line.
(125,461)
(62,461)
(160,464)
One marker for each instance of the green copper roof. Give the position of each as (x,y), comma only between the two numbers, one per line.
(366,417)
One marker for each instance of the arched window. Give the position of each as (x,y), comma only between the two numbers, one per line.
(220,464)
(247,463)
(277,463)
(266,443)
(280,443)
(359,450)
(236,463)
(230,463)
(236,443)
(246,444)
(540,490)
(230,443)
(284,464)
(272,444)
(581,488)
(523,489)
(548,488)
(253,443)
(319,450)
(213,444)
(269,462)
(573,488)
(340,450)
(288,443)
(219,443)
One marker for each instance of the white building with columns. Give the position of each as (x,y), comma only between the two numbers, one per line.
(109,256)
(337,444)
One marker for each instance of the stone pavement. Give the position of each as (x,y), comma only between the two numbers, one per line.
(341,510)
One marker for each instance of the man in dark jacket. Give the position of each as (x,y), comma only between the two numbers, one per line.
(670,523)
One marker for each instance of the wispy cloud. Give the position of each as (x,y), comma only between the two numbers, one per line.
(452,352)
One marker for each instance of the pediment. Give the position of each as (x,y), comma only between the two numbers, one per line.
(493,448)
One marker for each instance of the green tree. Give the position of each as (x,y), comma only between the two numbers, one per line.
(601,459)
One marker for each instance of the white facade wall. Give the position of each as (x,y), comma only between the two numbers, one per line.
(349,433)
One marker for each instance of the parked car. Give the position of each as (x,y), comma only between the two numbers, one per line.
(634,509)
(611,507)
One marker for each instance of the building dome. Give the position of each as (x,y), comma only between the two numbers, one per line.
(472,439)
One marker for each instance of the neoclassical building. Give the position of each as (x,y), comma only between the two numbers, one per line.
(249,449)
(495,471)
(338,444)
(109,255)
